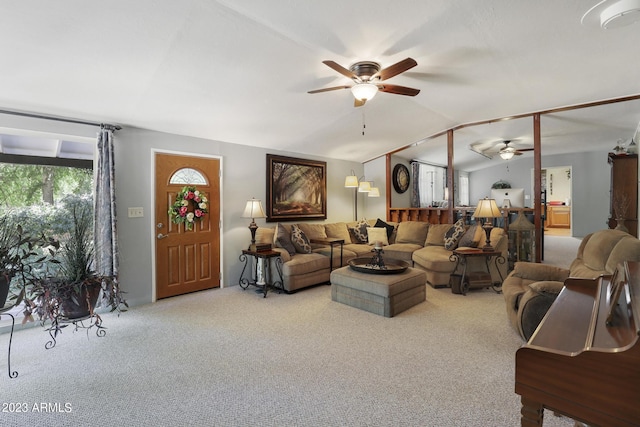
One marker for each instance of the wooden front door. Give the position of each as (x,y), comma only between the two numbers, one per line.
(186,260)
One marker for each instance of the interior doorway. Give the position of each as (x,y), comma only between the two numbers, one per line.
(556,183)
(187,258)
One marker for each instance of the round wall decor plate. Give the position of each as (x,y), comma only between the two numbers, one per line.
(401,178)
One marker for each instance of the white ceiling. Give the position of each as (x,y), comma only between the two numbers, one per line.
(239,71)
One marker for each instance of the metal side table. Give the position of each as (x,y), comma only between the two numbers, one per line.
(261,276)
(5,311)
(462,282)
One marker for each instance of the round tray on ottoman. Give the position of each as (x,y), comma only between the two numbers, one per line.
(363,265)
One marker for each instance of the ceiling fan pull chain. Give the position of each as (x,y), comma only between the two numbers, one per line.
(364,125)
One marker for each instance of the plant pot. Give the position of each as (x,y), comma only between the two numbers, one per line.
(5,280)
(80,305)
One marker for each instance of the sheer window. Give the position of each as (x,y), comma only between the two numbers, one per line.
(464,189)
(431,182)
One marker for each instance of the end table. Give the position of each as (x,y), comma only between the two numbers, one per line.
(331,242)
(261,273)
(461,283)
(6,311)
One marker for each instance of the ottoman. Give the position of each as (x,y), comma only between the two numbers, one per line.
(383,294)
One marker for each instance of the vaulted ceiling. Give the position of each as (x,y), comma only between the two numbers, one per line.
(239,71)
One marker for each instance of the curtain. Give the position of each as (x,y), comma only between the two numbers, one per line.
(105,238)
(415,184)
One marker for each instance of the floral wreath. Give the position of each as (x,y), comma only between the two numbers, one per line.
(189,207)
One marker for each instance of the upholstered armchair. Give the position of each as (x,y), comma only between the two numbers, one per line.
(531,288)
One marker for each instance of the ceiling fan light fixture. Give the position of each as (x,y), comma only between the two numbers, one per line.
(507,153)
(364,91)
(611,14)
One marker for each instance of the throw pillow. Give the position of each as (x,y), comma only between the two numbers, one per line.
(381,224)
(468,238)
(300,240)
(453,235)
(378,234)
(360,231)
(283,238)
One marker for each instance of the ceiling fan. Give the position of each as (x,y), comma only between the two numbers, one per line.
(507,152)
(490,148)
(368,77)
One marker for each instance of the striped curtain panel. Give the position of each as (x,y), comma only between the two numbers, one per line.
(106,242)
(415,184)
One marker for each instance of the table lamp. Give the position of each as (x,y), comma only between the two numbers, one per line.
(253,210)
(487,208)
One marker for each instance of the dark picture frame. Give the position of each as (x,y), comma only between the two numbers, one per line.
(296,189)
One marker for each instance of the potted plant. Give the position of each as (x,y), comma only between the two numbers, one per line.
(71,289)
(19,257)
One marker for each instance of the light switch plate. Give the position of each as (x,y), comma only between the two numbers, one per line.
(136,212)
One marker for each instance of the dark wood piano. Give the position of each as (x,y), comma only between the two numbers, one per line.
(583,361)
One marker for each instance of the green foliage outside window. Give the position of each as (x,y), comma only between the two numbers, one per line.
(40,197)
(28,185)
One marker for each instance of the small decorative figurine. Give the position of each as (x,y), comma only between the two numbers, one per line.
(377,261)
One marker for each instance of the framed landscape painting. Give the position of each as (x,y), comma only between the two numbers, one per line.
(296,189)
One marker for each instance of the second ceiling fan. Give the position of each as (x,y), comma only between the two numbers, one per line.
(508,151)
(368,79)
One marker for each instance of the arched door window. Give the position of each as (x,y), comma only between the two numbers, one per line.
(188,176)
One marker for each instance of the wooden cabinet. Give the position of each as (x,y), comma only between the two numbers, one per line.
(559,216)
(624,191)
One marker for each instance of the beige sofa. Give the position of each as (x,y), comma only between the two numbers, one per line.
(434,258)
(301,270)
(531,288)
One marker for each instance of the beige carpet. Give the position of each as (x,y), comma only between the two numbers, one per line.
(228,357)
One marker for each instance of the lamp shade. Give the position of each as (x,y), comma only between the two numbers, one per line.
(364,91)
(253,209)
(364,187)
(351,181)
(487,208)
(374,192)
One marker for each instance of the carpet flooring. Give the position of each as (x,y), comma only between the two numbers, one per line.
(228,357)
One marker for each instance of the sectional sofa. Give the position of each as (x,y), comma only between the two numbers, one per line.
(420,244)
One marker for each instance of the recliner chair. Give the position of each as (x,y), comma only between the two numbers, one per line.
(531,288)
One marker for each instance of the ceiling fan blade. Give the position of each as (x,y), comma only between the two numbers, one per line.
(398,90)
(339,68)
(359,102)
(395,69)
(525,149)
(517,153)
(327,89)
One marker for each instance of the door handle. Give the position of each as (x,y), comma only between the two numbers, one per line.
(162,236)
